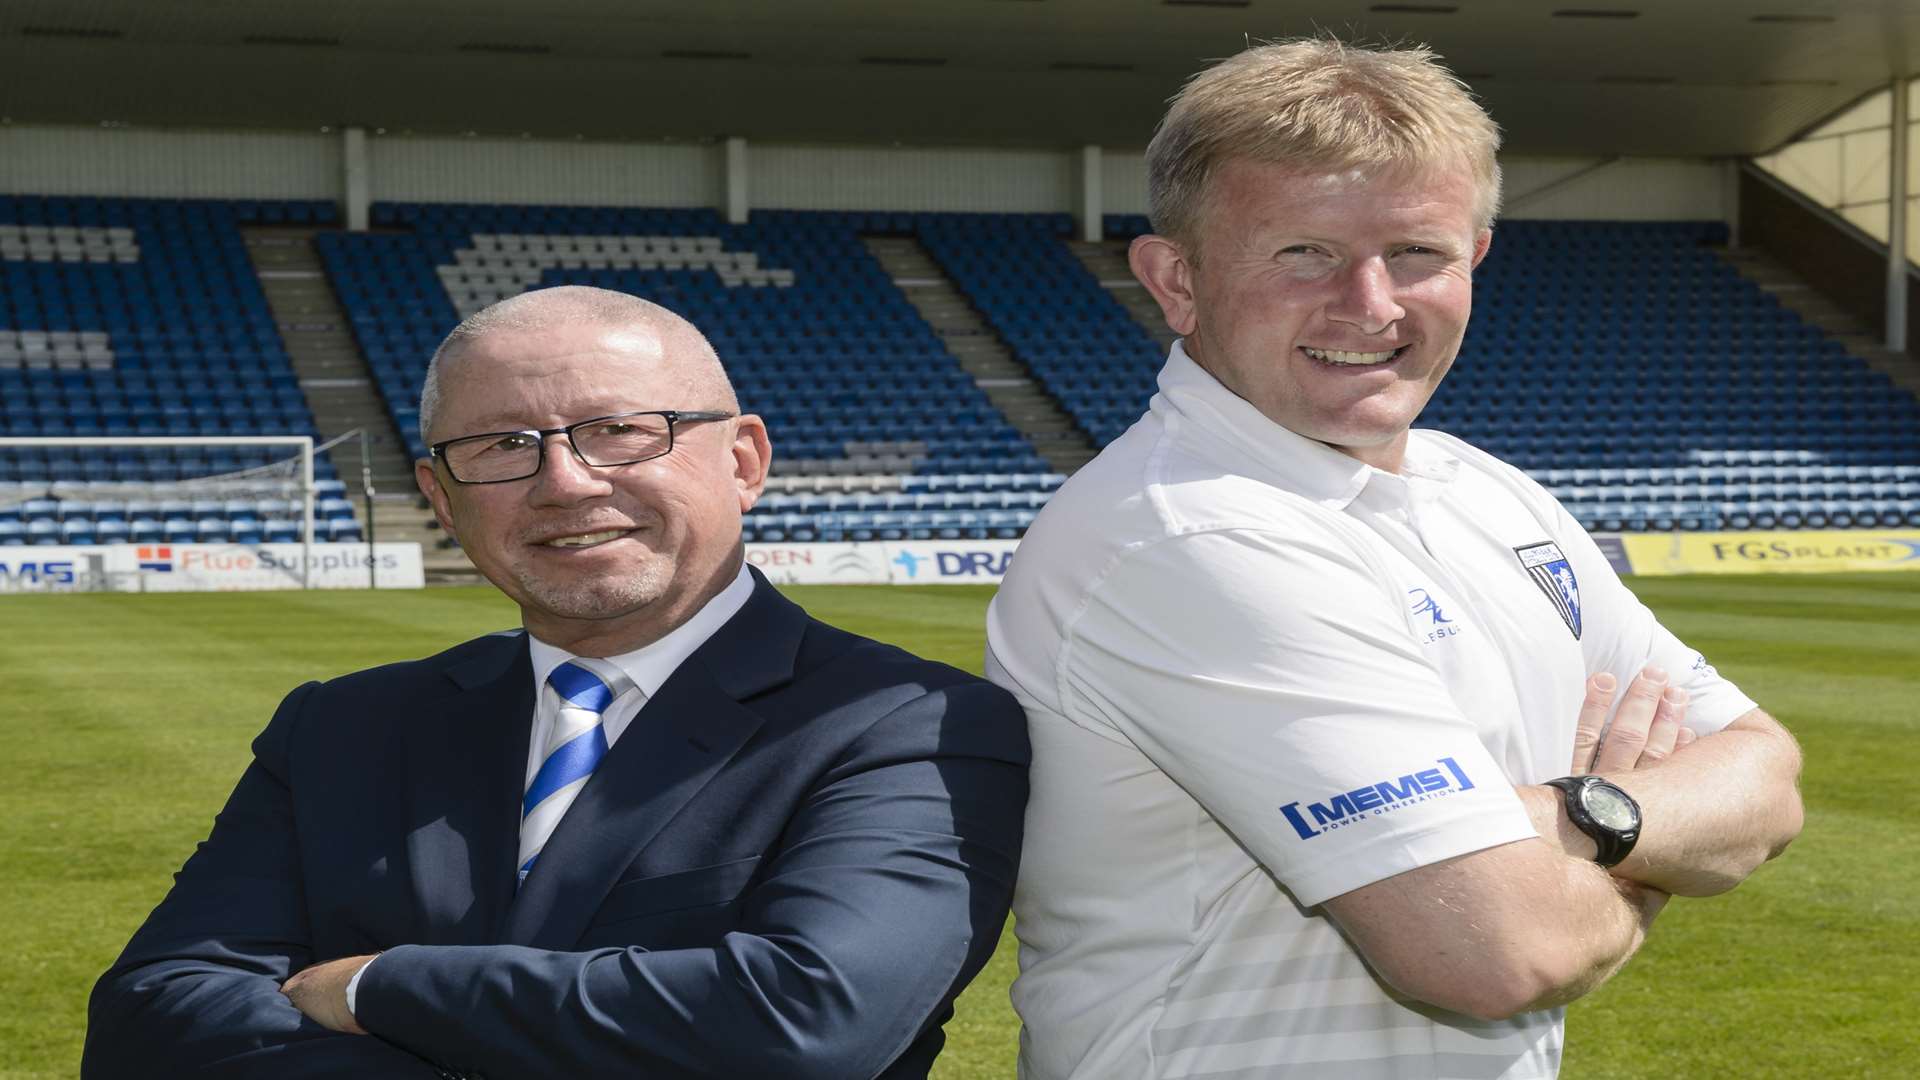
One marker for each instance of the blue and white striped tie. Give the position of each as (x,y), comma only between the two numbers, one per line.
(574,747)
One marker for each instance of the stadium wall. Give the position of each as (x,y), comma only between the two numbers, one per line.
(1849,266)
(909,178)
(985,562)
(422,169)
(72,160)
(1615,189)
(63,160)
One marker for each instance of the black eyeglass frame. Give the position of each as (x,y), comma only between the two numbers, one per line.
(674,418)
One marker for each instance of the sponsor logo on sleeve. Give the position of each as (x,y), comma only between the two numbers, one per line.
(1344,808)
(1553,572)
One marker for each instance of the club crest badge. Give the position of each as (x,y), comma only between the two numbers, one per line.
(1547,565)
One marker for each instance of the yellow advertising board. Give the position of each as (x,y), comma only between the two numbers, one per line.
(1772,552)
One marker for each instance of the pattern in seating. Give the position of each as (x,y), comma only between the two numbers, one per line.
(137,317)
(855,386)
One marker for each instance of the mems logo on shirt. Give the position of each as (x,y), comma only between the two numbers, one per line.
(1344,808)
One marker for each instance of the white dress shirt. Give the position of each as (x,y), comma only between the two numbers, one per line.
(648,667)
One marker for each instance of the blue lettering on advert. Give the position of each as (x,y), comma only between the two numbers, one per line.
(1344,808)
(50,573)
(971,563)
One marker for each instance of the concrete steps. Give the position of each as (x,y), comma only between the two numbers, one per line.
(1801,296)
(1107,260)
(339,389)
(1008,384)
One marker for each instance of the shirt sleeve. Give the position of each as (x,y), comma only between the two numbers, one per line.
(1273,677)
(1626,636)
(353,984)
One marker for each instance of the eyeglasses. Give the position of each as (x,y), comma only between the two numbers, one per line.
(603,442)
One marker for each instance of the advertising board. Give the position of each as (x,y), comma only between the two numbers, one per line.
(1772,552)
(905,562)
(207,567)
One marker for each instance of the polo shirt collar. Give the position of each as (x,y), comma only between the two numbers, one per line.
(1260,448)
(1287,460)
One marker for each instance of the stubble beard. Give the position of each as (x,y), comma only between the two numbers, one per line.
(602,597)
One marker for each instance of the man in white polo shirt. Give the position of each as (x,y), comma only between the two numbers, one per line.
(1297,678)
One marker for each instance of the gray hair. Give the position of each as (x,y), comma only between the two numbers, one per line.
(1317,103)
(543,308)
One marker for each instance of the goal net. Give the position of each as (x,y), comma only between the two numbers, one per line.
(80,491)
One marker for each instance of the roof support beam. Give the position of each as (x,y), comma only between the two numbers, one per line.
(356,177)
(736,170)
(1897,152)
(1091,205)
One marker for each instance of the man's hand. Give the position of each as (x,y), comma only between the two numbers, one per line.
(1646,731)
(1714,809)
(321,992)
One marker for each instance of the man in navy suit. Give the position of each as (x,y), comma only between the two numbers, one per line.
(676,828)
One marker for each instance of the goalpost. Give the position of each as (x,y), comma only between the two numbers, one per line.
(288,479)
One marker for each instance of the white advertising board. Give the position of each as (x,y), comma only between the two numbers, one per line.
(207,567)
(905,562)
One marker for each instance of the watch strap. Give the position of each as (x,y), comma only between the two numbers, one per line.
(1612,844)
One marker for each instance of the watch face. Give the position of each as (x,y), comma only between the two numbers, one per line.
(1610,809)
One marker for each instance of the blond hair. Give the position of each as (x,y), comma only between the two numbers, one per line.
(1319,104)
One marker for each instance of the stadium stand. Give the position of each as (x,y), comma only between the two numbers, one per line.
(143,317)
(1624,365)
(879,432)
(1072,334)
(1780,427)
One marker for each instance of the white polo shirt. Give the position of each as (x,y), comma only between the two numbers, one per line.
(1259,674)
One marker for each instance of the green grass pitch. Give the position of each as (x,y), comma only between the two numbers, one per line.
(125,720)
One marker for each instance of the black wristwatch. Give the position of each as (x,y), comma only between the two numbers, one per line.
(1601,810)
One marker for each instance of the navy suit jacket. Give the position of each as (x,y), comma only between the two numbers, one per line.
(788,866)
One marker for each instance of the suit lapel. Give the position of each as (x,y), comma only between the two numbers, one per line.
(675,746)
(466,765)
